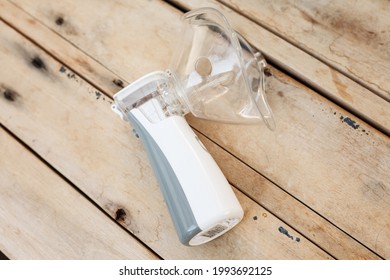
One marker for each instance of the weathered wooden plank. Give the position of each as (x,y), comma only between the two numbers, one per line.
(332,162)
(113,18)
(71,125)
(353,37)
(281,204)
(42,217)
(317,150)
(327,242)
(58,47)
(323,78)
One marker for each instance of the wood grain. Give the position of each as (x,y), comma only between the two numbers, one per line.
(353,38)
(286,207)
(311,113)
(320,154)
(319,150)
(323,78)
(70,124)
(59,47)
(95,37)
(42,217)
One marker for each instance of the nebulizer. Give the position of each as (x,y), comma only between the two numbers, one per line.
(215,75)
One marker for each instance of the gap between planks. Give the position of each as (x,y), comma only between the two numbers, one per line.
(226,160)
(247,202)
(114,219)
(40,219)
(376,116)
(109,95)
(3,257)
(56,51)
(306,68)
(233,5)
(83,75)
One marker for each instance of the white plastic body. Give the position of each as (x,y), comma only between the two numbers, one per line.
(200,200)
(210,196)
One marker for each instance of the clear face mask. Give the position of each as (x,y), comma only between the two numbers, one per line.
(219,76)
(215,75)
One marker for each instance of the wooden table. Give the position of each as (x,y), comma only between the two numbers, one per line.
(76,184)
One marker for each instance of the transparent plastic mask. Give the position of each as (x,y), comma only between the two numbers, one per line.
(214,74)
(218,75)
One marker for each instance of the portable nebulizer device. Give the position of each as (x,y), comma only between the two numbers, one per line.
(215,75)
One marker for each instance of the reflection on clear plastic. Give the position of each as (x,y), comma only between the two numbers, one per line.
(232,90)
(215,75)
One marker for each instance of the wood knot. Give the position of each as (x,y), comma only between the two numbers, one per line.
(118,83)
(10,94)
(38,63)
(120,215)
(60,21)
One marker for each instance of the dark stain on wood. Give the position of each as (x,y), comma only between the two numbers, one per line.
(348,25)
(255,218)
(98,94)
(85,64)
(66,24)
(120,215)
(284,231)
(351,123)
(308,17)
(280,93)
(118,83)
(71,75)
(267,72)
(59,21)
(38,63)
(62,69)
(10,94)
(32,58)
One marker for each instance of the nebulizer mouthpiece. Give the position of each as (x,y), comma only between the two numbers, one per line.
(220,78)
(214,75)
